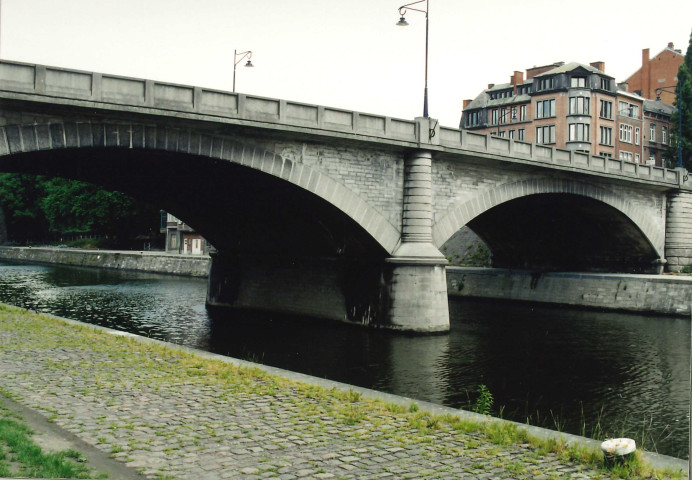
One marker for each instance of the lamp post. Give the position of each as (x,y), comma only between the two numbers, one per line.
(237,60)
(500,120)
(403,23)
(679,97)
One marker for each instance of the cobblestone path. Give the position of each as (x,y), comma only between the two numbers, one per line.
(177,415)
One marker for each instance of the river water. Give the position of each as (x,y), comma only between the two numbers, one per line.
(584,372)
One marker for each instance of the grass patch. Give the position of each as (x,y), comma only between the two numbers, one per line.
(21,457)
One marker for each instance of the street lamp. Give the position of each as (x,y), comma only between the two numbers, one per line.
(237,60)
(403,23)
(502,117)
(679,97)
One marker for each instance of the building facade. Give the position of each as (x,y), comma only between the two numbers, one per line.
(181,238)
(658,72)
(570,106)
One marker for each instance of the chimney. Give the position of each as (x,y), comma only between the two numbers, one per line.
(599,66)
(646,74)
(466,104)
(671,46)
(517,78)
(624,86)
(490,85)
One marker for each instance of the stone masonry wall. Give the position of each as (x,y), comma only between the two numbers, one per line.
(156,262)
(679,231)
(661,294)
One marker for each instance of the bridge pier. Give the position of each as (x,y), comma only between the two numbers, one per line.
(678,246)
(417,282)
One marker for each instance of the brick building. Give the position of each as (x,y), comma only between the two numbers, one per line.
(181,238)
(574,107)
(660,71)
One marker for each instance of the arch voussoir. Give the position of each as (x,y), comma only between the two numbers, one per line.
(463,212)
(26,138)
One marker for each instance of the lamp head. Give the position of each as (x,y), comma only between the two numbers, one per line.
(402,22)
(249,64)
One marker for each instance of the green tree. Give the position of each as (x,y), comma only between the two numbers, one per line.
(19,199)
(683,102)
(42,208)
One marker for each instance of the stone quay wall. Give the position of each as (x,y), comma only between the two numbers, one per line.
(660,294)
(155,262)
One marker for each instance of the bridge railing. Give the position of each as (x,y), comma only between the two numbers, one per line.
(91,89)
(516,149)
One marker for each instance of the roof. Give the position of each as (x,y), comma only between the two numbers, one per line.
(658,106)
(571,66)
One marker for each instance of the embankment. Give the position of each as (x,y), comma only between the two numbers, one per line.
(661,294)
(155,262)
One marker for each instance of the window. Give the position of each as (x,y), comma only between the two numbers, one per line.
(522,112)
(545,108)
(626,156)
(546,83)
(606,109)
(664,135)
(605,154)
(472,118)
(578,132)
(652,132)
(501,134)
(636,135)
(513,115)
(629,110)
(577,82)
(511,134)
(174,241)
(545,134)
(606,136)
(636,158)
(494,113)
(521,134)
(579,106)
(605,83)
(652,160)
(625,133)
(503,115)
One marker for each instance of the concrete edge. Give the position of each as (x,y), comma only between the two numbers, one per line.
(98,461)
(656,460)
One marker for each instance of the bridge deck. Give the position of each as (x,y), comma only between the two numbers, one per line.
(59,86)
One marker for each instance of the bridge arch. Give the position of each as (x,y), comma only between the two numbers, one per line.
(37,138)
(470,212)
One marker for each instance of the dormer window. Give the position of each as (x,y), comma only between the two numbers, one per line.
(546,83)
(577,82)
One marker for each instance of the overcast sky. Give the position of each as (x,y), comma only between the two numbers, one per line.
(347,54)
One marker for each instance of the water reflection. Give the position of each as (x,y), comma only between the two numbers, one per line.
(550,366)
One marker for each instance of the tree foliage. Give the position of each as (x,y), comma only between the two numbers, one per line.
(683,102)
(41,208)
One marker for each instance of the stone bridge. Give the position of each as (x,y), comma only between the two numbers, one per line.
(333,213)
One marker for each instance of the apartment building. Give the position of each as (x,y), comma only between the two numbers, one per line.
(570,106)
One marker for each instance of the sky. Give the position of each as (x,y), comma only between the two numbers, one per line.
(346,54)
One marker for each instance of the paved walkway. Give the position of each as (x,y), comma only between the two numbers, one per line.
(173,414)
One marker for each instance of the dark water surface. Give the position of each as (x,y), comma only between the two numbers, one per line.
(555,367)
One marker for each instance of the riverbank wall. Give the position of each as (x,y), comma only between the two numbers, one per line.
(660,294)
(154,262)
